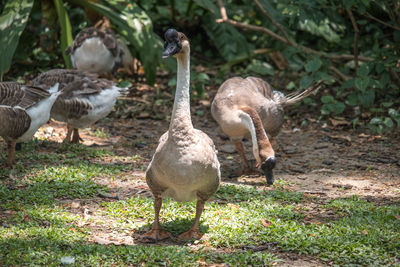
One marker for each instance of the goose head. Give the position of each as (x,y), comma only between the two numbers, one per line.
(176,43)
(267,167)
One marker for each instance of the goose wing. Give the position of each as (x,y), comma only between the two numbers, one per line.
(16,94)
(77,87)
(14,122)
(73,83)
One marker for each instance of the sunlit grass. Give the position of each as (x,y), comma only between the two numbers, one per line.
(37,228)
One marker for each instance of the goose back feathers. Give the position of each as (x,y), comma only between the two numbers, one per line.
(95,50)
(85,98)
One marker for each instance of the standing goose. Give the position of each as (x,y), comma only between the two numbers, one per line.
(250,105)
(96,51)
(185,164)
(85,98)
(23,109)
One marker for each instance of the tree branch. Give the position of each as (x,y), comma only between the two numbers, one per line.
(381,21)
(224,19)
(356,34)
(274,22)
(339,73)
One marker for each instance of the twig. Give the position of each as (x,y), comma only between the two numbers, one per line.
(240,58)
(224,19)
(380,21)
(339,73)
(274,22)
(356,34)
(235,23)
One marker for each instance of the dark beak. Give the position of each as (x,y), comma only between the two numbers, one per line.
(269,175)
(171,49)
(267,166)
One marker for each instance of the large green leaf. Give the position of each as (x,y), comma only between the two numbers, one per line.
(66,32)
(12,23)
(136,27)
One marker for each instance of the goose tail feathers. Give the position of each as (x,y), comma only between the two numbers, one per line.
(296,97)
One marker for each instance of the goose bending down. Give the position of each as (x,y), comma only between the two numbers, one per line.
(85,98)
(95,50)
(250,105)
(185,164)
(23,109)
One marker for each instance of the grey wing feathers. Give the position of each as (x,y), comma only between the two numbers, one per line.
(15,94)
(73,108)
(14,122)
(73,82)
(76,86)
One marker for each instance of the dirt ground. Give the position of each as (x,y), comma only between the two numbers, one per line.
(318,160)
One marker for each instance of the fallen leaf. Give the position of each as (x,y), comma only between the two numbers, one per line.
(75,205)
(266,223)
(397,217)
(102,241)
(11,212)
(339,122)
(364,232)
(26,218)
(233,206)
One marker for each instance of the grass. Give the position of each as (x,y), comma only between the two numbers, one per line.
(37,228)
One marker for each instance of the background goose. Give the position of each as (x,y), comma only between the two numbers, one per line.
(95,50)
(243,106)
(23,109)
(185,165)
(85,98)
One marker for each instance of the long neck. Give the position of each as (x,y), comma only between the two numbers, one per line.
(262,148)
(181,112)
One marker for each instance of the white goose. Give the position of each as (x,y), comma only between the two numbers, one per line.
(96,51)
(23,109)
(185,165)
(85,98)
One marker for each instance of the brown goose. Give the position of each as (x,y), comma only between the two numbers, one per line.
(250,105)
(85,98)
(185,165)
(96,51)
(23,109)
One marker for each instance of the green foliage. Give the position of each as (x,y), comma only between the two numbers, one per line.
(136,27)
(66,34)
(13,20)
(129,20)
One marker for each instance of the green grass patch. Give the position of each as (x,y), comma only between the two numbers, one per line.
(365,234)
(36,230)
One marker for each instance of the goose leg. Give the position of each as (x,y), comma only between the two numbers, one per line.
(69,133)
(194,231)
(156,233)
(75,136)
(240,150)
(11,153)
